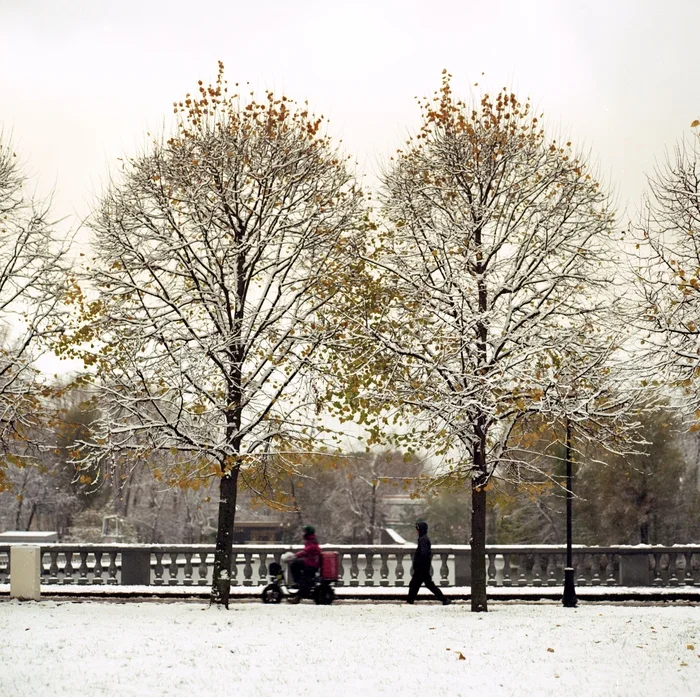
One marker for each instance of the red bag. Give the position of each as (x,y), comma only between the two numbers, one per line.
(329,566)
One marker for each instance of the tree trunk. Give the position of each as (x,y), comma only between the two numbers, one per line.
(221,584)
(297,507)
(20,499)
(18,516)
(644,530)
(479,477)
(373,516)
(31,517)
(478,561)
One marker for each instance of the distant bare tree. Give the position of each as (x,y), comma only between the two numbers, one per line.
(347,495)
(667,272)
(33,279)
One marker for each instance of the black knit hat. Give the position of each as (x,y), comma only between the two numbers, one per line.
(309,530)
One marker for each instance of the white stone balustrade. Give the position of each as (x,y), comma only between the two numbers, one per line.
(367,565)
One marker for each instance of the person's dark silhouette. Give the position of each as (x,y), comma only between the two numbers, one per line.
(422,559)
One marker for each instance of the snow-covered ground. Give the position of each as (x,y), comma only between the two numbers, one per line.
(348,649)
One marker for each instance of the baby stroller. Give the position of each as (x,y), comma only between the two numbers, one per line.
(318,587)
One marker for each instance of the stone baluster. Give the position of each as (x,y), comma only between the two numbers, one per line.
(548,568)
(354,570)
(536,570)
(544,567)
(399,569)
(551,570)
(248,569)
(546,563)
(688,575)
(189,570)
(680,568)
(522,569)
(506,570)
(658,579)
(673,570)
(97,570)
(234,569)
(4,564)
(43,572)
(341,569)
(112,568)
(491,570)
(444,569)
(83,579)
(384,570)
(369,569)
(202,581)
(595,568)
(580,567)
(53,567)
(158,580)
(262,569)
(173,569)
(610,579)
(68,568)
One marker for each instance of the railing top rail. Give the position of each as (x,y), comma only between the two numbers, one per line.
(591,549)
(361,549)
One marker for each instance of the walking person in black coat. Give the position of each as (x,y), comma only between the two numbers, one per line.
(422,559)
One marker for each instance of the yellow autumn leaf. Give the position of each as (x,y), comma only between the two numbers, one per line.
(695,124)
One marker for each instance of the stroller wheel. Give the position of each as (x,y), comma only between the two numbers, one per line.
(324,594)
(272,594)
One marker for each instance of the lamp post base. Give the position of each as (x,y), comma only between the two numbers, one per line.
(569,599)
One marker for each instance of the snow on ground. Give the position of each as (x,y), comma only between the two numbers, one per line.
(347,649)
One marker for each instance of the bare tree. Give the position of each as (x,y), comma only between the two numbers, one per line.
(667,272)
(586,396)
(496,253)
(348,495)
(33,278)
(217,254)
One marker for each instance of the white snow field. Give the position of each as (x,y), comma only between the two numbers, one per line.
(70,648)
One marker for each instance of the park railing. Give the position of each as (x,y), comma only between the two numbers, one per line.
(367,565)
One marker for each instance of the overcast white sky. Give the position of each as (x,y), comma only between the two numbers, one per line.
(83,80)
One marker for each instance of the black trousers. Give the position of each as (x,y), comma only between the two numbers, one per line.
(417,580)
(302,574)
(298,569)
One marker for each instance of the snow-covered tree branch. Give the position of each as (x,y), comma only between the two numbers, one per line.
(497,266)
(33,278)
(667,271)
(218,254)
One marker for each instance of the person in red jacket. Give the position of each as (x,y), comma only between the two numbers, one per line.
(308,560)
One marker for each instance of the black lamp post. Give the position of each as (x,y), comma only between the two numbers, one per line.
(569,599)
